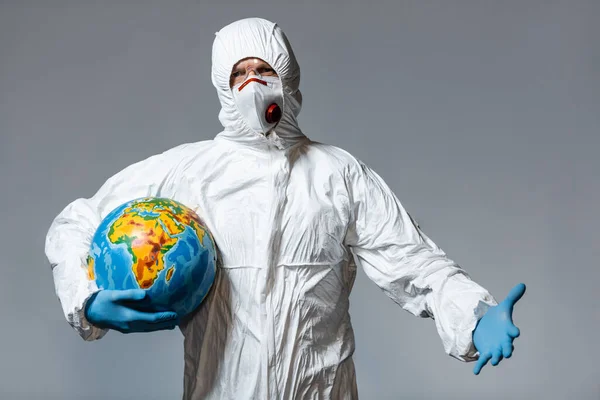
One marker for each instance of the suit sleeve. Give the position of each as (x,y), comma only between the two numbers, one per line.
(70,234)
(408,266)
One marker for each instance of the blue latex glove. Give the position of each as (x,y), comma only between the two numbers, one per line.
(126,311)
(494,334)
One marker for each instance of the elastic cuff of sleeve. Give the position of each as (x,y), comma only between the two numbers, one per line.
(87,330)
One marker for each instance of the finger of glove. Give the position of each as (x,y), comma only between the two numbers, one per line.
(154,318)
(515,294)
(153,327)
(483,359)
(513,331)
(507,349)
(496,357)
(144,305)
(129,295)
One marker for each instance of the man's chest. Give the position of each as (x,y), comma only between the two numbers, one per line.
(290,211)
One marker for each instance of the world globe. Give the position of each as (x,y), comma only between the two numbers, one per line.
(159,245)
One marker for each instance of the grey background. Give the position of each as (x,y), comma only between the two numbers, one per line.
(482,116)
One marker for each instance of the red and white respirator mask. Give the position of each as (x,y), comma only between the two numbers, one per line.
(260,101)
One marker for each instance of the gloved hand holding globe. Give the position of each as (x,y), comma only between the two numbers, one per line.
(154,261)
(119,310)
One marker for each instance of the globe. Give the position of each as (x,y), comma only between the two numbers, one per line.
(155,244)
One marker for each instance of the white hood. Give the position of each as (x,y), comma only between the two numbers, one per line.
(256,37)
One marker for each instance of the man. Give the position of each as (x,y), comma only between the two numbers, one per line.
(292,218)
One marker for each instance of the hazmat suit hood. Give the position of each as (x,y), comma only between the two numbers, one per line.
(258,38)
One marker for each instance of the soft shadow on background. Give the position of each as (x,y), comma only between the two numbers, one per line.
(483,117)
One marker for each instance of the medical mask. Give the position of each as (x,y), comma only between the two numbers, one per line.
(260,101)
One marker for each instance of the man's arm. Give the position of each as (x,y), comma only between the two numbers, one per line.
(408,266)
(70,234)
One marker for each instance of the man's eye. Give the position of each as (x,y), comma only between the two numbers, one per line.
(236,74)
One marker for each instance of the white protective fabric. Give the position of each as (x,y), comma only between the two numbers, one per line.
(291,218)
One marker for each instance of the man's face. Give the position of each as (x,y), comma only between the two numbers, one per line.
(248,67)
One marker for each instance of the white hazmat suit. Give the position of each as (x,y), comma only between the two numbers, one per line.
(291,218)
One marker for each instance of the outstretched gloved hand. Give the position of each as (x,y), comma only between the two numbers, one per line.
(123,311)
(494,334)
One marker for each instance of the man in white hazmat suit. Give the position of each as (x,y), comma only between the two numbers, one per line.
(291,218)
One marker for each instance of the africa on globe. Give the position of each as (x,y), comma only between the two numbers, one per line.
(155,244)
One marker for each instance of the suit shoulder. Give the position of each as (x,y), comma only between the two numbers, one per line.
(170,157)
(190,148)
(340,156)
